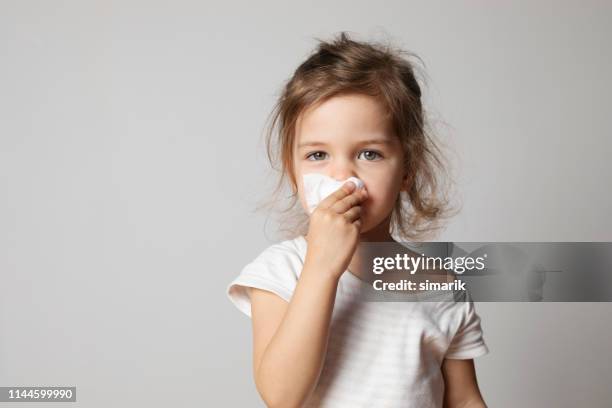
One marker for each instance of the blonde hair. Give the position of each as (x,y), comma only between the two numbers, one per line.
(343,66)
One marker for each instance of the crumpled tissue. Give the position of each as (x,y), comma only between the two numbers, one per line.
(318,186)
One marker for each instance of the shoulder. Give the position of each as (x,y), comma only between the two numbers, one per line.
(282,261)
(467,339)
(276,269)
(289,252)
(453,310)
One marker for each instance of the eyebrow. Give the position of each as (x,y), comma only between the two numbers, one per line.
(363,142)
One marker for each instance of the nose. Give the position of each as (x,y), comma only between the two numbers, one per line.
(343,169)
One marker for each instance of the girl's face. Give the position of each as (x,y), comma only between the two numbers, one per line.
(348,135)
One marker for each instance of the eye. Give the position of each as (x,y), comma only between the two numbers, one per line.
(372,154)
(315,154)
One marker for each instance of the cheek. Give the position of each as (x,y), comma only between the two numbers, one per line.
(381,197)
(384,181)
(300,193)
(303,203)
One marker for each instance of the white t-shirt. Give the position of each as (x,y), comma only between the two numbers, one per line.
(379,354)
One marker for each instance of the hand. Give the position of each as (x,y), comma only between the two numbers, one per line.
(334,230)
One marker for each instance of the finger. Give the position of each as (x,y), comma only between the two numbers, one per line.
(353,199)
(353,214)
(346,189)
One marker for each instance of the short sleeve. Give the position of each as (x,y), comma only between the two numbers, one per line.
(468,341)
(276,269)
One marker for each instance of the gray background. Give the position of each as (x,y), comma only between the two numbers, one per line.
(131,161)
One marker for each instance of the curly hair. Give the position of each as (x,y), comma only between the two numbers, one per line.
(382,71)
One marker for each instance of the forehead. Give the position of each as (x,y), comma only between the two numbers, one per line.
(342,115)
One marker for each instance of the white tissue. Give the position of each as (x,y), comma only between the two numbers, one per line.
(318,186)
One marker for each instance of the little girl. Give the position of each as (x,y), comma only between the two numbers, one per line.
(353,109)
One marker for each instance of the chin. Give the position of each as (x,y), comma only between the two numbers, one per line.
(366,226)
(369,223)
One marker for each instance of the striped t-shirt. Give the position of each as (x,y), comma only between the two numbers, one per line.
(379,354)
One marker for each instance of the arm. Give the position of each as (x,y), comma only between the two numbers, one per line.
(290,339)
(461,386)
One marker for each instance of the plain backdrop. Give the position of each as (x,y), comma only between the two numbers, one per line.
(131,161)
